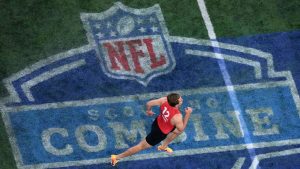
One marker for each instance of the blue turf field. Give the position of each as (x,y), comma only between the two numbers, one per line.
(76,108)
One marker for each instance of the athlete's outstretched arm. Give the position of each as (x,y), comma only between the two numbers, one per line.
(155,102)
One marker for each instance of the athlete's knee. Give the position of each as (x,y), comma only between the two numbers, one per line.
(177,132)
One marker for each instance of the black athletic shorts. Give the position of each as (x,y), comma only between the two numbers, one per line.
(156,135)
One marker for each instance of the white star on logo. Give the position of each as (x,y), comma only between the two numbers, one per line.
(152,20)
(139,21)
(112,34)
(142,29)
(98,25)
(154,28)
(100,35)
(108,25)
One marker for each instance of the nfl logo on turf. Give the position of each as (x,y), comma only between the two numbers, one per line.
(130,43)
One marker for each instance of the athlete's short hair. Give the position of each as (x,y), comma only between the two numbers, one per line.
(173,99)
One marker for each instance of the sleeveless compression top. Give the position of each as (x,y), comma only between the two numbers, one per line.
(164,118)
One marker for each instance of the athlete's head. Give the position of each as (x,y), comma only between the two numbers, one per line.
(174,99)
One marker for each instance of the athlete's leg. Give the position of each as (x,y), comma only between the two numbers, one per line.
(139,147)
(153,138)
(171,136)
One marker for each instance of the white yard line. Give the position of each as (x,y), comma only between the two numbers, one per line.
(226,77)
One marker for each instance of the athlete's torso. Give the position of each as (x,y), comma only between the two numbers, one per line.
(167,112)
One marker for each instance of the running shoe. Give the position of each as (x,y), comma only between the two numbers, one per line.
(114,160)
(167,149)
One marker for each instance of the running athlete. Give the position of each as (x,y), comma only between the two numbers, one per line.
(167,126)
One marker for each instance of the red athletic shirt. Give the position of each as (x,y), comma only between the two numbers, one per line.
(164,118)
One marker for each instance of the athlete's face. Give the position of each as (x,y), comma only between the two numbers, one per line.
(180,101)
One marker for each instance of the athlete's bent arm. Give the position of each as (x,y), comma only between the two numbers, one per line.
(181,124)
(155,102)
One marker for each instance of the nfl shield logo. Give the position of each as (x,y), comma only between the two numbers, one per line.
(130,43)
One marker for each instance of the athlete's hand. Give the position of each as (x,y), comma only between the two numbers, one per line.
(150,112)
(188,110)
